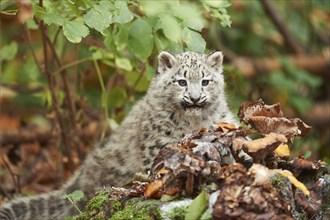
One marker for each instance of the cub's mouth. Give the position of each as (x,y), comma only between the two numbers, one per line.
(191,106)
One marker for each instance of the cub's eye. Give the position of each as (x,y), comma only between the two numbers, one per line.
(182,82)
(205,82)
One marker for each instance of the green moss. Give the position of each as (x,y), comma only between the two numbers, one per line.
(97,202)
(135,211)
(178,213)
(116,206)
(278,181)
(94,208)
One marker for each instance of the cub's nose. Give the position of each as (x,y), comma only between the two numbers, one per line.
(195,99)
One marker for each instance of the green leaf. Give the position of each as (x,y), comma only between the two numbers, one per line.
(190,15)
(171,27)
(54,19)
(75,30)
(39,11)
(141,40)
(121,37)
(75,195)
(161,42)
(109,42)
(194,41)
(124,64)
(9,51)
(222,16)
(125,15)
(31,24)
(197,207)
(117,97)
(217,4)
(74,8)
(307,154)
(153,8)
(99,17)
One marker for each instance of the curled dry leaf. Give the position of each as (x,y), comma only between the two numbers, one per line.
(269,118)
(260,148)
(258,108)
(224,126)
(153,188)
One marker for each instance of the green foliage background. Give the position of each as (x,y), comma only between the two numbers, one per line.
(107,53)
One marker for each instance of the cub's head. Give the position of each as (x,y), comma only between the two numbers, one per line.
(189,81)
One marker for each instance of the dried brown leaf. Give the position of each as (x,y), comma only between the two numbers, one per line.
(225,127)
(262,147)
(303,164)
(153,188)
(258,108)
(269,118)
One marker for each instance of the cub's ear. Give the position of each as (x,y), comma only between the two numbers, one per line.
(166,61)
(214,60)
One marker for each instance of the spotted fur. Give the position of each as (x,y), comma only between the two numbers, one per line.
(186,93)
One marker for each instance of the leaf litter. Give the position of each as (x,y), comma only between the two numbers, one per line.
(232,175)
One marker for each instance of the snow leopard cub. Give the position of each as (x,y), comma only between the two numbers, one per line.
(186,93)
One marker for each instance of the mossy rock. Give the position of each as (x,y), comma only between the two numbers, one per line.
(103,207)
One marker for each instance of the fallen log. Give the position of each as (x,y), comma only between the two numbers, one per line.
(316,64)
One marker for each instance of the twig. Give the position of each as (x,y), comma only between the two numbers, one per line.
(15,177)
(131,91)
(103,101)
(28,38)
(63,74)
(140,77)
(56,35)
(3,191)
(73,203)
(74,63)
(54,103)
(281,26)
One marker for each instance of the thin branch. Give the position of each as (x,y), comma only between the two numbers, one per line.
(74,63)
(3,191)
(56,35)
(50,79)
(63,74)
(28,38)
(9,13)
(15,177)
(281,26)
(131,91)
(103,100)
